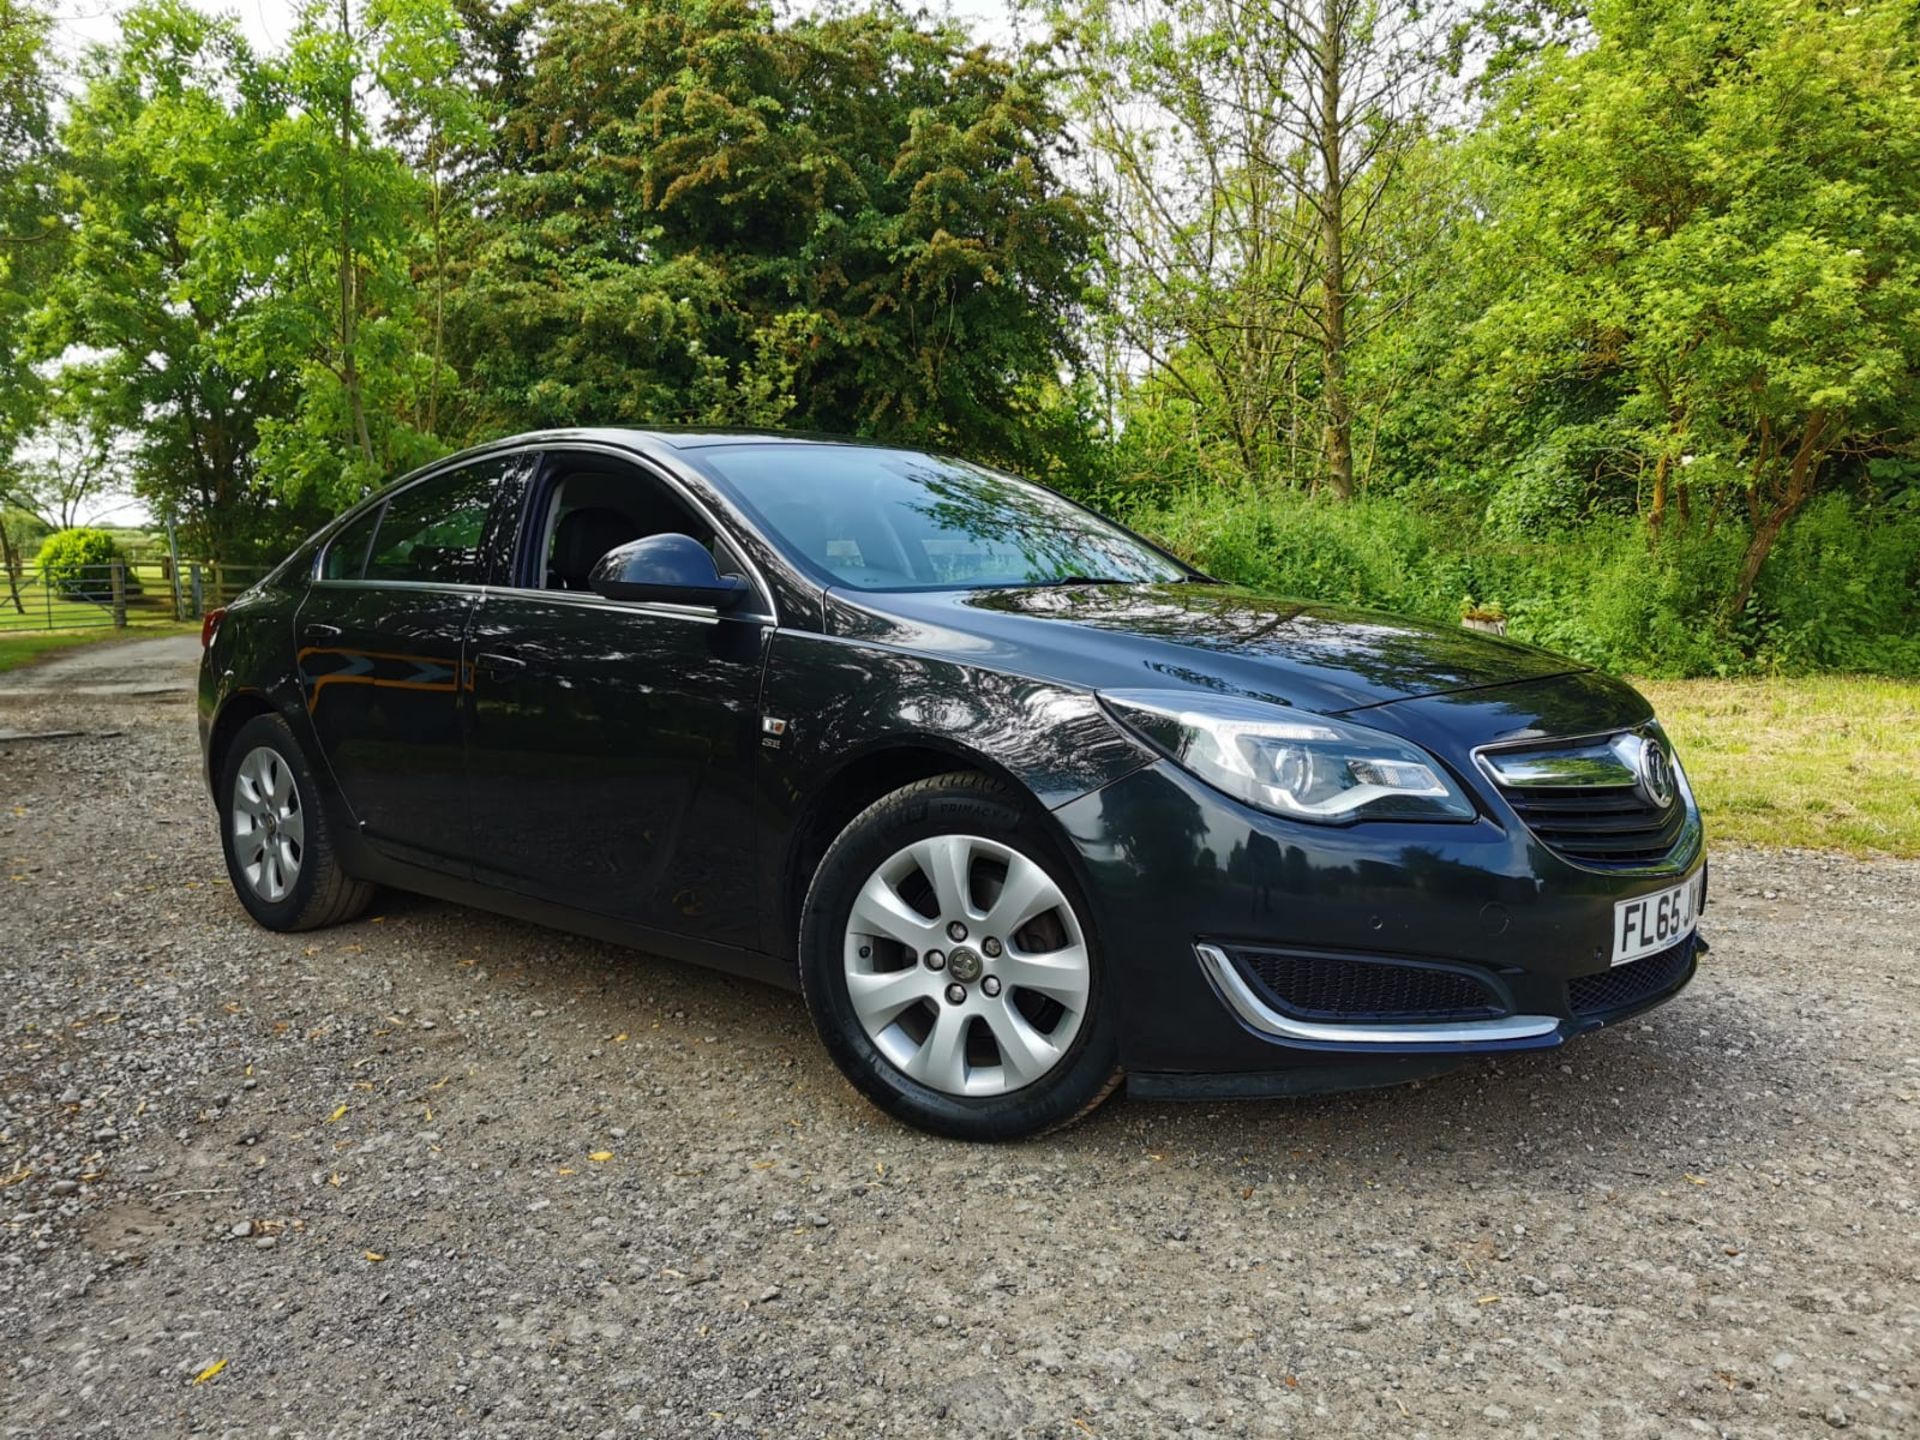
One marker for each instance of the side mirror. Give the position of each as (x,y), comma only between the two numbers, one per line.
(674,569)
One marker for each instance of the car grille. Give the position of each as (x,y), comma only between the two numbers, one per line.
(1330,987)
(1602,826)
(1630,984)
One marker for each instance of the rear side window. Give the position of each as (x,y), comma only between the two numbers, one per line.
(431,531)
(347,554)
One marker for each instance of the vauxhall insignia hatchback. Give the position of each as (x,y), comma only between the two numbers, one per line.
(1024,806)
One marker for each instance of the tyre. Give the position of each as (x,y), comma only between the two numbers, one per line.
(951,966)
(274,830)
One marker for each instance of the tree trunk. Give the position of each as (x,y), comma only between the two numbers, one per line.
(1338,433)
(349,368)
(11,564)
(1769,524)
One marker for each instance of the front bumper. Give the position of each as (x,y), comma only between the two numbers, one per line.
(1186,885)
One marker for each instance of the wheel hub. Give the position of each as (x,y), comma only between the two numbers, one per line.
(937,979)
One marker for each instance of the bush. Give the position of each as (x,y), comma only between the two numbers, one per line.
(1841,590)
(74,562)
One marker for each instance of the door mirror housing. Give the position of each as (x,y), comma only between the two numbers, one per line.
(671,569)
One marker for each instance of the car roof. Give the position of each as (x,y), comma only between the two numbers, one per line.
(677,437)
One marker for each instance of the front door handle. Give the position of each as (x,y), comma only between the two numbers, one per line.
(317,634)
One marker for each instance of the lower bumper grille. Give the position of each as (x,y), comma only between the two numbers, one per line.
(1330,987)
(1630,984)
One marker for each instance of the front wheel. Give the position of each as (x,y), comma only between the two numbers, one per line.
(951,966)
(273,828)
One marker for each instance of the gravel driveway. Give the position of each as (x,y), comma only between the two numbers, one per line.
(438,1173)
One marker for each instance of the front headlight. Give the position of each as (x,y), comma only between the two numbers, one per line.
(1307,767)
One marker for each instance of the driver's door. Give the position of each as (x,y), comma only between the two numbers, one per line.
(610,742)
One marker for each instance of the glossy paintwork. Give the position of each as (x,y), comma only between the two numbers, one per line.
(609,756)
(380,669)
(613,775)
(1210,637)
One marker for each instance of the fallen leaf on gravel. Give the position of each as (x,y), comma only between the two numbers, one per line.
(335,1178)
(566,1170)
(374,1257)
(212,1370)
(1695,1180)
(338,1111)
(600,1157)
(765,1164)
(1293,1382)
(15,1178)
(1488,1300)
(621,1038)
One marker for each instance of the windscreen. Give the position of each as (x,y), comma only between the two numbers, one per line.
(876,519)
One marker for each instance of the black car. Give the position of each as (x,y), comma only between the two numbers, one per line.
(1021,803)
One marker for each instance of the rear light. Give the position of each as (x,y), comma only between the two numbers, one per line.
(210,626)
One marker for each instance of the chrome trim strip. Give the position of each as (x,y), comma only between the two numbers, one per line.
(1580,766)
(1688,842)
(1263,1017)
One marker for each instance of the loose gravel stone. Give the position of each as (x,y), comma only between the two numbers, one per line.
(1616,1239)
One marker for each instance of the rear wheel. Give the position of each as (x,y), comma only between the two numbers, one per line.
(274,830)
(951,966)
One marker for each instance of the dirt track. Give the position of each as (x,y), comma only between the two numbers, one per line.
(440,1173)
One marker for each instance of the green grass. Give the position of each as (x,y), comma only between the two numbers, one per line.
(1831,763)
(26,647)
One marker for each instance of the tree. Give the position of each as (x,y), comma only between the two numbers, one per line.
(150,320)
(31,235)
(703,214)
(65,467)
(1711,223)
(331,242)
(1249,150)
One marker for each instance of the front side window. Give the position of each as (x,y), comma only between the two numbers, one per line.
(431,531)
(876,519)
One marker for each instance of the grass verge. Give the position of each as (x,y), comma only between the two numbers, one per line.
(1831,763)
(27,646)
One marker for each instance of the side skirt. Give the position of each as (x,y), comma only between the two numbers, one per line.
(369,863)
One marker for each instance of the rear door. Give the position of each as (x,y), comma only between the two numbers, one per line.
(379,649)
(612,741)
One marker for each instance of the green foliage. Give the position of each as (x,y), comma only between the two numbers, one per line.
(74,562)
(1843,592)
(1626,348)
(698,213)
(31,240)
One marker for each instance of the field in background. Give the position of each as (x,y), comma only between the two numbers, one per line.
(1831,763)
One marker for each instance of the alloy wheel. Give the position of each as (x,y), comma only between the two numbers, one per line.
(967,966)
(269,828)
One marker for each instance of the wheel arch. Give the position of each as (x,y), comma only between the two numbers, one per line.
(855,784)
(234,712)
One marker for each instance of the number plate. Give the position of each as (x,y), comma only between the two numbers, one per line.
(1648,923)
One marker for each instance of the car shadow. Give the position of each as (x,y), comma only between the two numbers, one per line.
(1703,1069)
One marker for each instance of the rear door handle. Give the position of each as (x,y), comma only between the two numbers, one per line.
(498,663)
(318,634)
